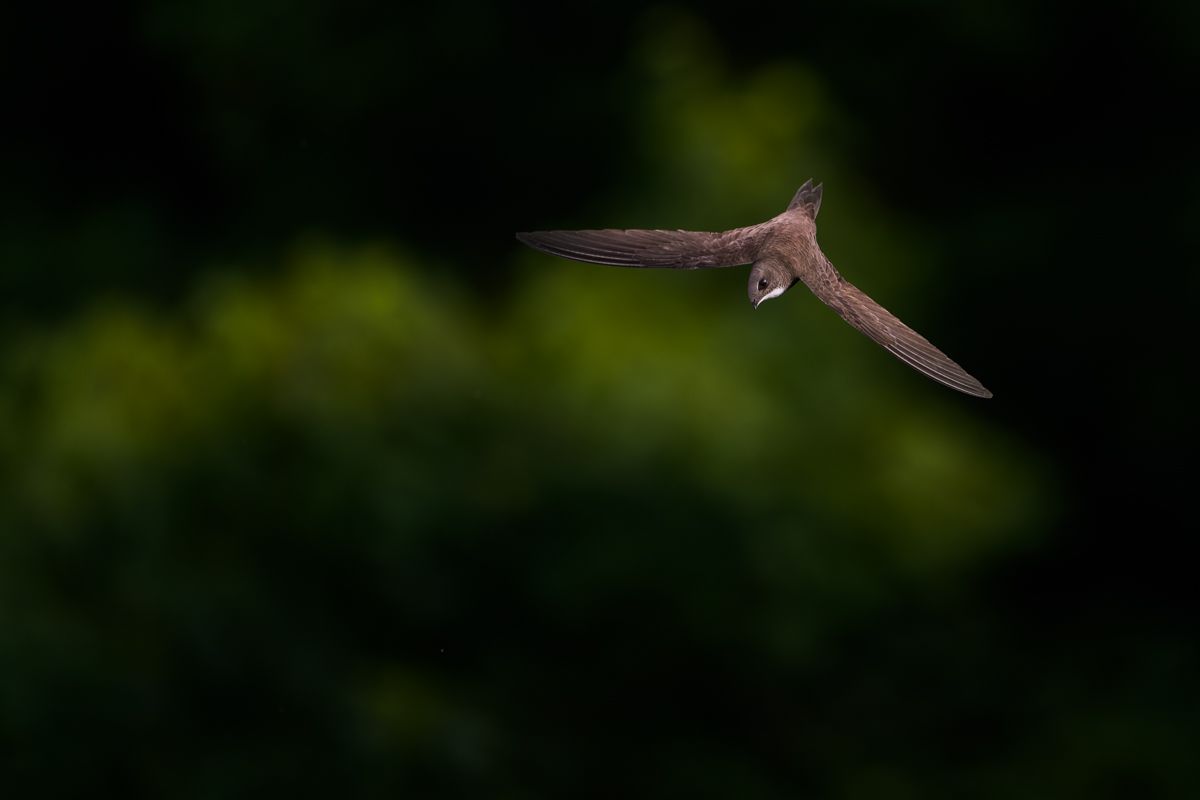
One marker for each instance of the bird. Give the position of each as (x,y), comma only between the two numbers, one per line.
(783,251)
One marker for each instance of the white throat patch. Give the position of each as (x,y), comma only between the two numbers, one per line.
(778,290)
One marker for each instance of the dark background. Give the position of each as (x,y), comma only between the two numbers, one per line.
(313,480)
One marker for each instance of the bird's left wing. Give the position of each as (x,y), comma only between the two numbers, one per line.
(642,248)
(854,306)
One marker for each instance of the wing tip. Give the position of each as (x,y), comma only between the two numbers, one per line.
(973,386)
(963,381)
(537,241)
(979,391)
(968,386)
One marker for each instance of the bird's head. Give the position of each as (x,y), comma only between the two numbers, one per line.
(768,279)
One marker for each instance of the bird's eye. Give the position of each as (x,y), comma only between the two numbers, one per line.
(762,285)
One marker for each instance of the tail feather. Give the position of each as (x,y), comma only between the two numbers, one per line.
(808,197)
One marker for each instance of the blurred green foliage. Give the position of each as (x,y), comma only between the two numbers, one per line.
(307,509)
(313,481)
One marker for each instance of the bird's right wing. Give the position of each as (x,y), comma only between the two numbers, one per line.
(854,306)
(641,248)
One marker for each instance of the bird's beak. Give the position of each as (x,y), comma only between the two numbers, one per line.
(754,303)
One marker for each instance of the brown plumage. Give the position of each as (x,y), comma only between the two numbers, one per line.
(783,250)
